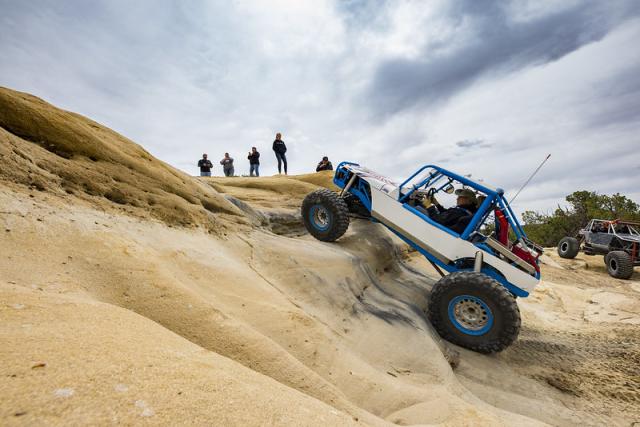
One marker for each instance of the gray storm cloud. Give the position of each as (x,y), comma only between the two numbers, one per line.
(489,39)
(471,143)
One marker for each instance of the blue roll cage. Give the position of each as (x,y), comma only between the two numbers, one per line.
(495,198)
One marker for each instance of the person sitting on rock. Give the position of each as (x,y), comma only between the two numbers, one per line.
(324,165)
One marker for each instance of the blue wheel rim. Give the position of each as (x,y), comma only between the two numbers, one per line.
(320,217)
(470,315)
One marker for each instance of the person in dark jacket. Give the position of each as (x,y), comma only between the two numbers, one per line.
(254,161)
(205,166)
(324,165)
(280,149)
(227,165)
(458,217)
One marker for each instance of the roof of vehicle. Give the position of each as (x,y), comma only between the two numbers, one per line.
(617,221)
(465,180)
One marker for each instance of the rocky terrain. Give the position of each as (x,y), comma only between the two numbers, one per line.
(133,293)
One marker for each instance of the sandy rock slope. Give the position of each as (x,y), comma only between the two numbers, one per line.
(131,292)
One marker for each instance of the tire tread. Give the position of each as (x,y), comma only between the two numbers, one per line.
(338,208)
(573,249)
(493,290)
(625,266)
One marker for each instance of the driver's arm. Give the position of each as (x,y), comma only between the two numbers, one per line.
(434,201)
(426,202)
(436,205)
(446,217)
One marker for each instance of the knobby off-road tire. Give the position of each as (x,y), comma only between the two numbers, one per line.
(568,247)
(619,264)
(474,311)
(325,215)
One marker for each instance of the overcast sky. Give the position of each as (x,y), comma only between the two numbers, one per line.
(482,87)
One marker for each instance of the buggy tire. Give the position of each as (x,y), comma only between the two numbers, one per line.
(568,247)
(325,215)
(474,311)
(619,264)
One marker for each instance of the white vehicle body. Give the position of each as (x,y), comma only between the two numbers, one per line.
(446,247)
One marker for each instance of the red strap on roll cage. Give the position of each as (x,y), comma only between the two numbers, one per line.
(502,233)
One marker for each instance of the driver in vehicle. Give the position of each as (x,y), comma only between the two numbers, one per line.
(622,229)
(458,217)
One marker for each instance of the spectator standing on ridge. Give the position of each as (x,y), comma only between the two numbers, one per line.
(254,161)
(324,165)
(227,165)
(205,166)
(280,149)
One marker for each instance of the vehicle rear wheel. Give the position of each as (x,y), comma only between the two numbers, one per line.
(474,311)
(568,247)
(325,215)
(619,264)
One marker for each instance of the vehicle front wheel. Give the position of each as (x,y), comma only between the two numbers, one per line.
(568,247)
(619,264)
(325,215)
(474,311)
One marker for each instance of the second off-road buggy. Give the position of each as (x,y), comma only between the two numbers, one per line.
(618,241)
(474,303)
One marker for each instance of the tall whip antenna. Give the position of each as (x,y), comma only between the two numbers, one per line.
(530,178)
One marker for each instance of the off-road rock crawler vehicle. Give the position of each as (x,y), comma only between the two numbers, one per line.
(618,241)
(474,303)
